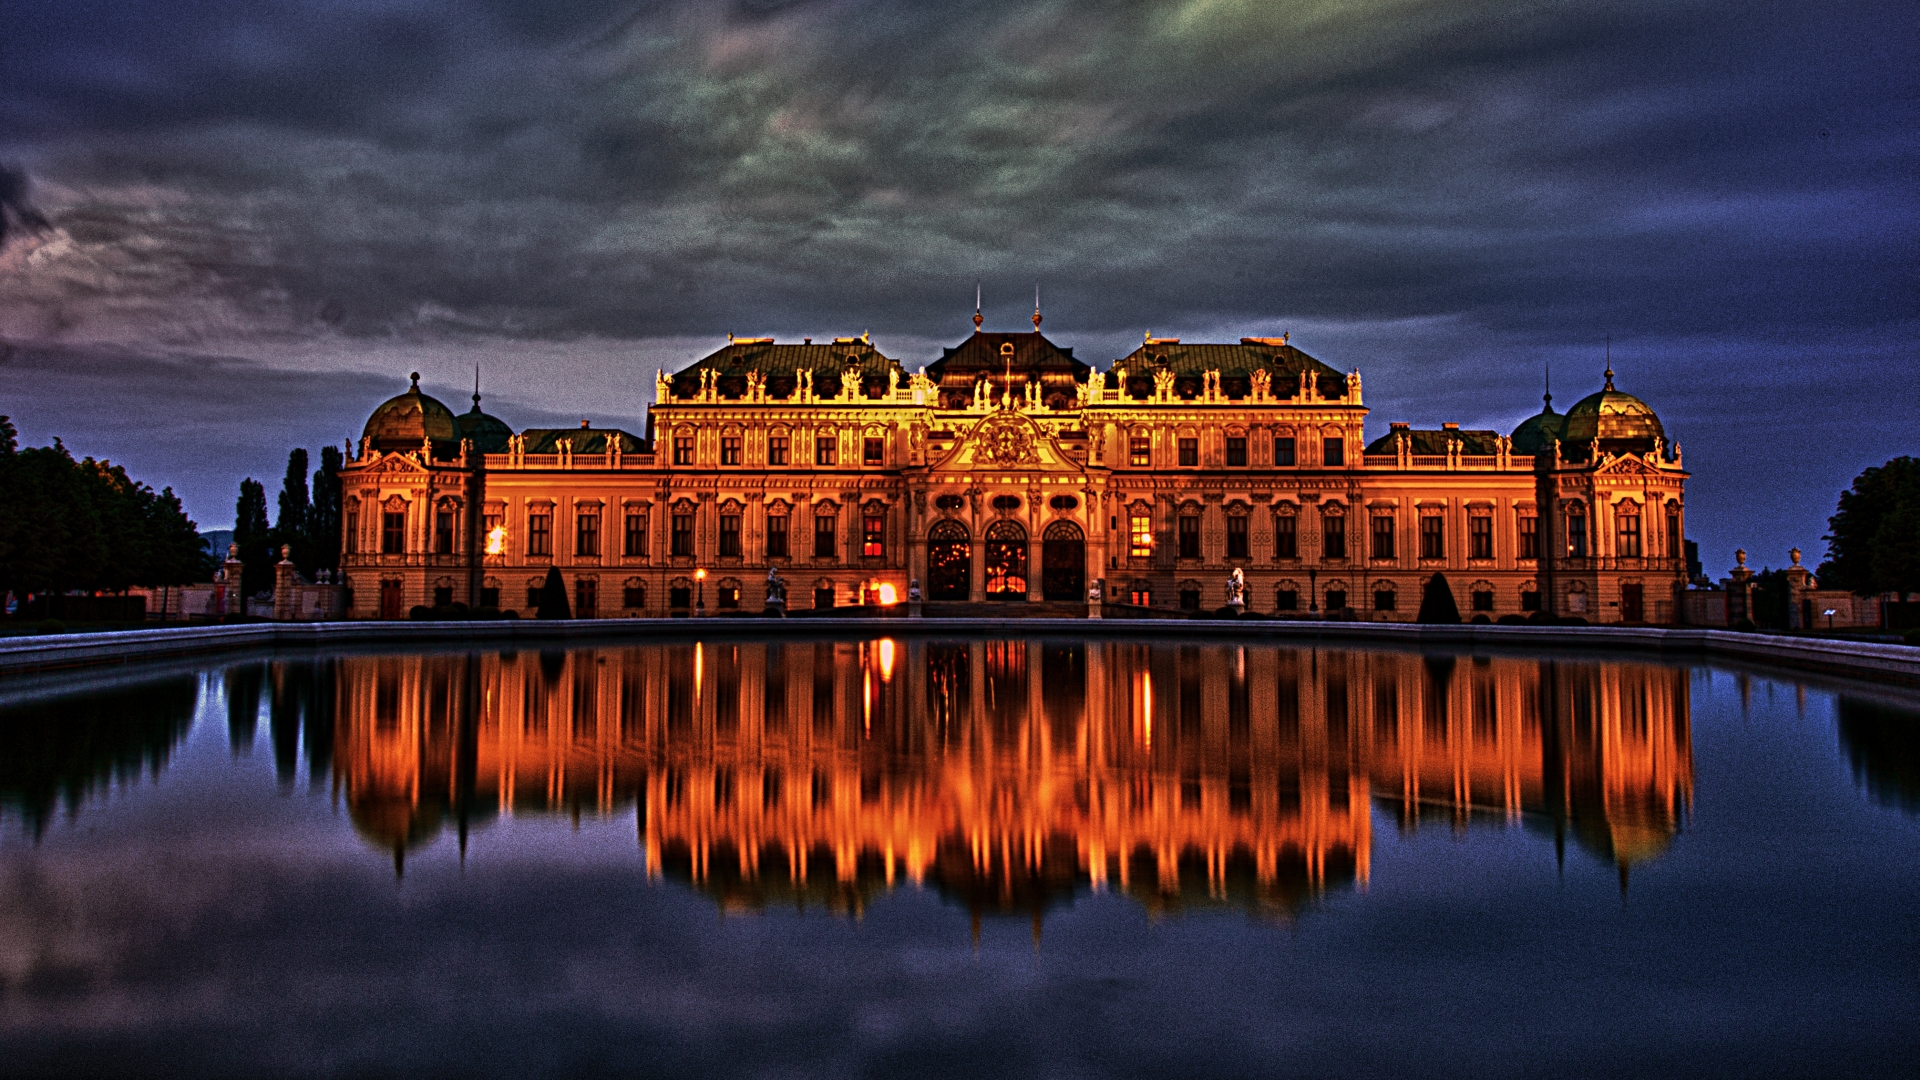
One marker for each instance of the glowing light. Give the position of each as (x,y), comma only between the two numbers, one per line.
(700,574)
(699,666)
(497,540)
(888,596)
(886,659)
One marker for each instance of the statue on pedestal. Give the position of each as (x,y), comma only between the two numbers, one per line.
(776,593)
(1237,591)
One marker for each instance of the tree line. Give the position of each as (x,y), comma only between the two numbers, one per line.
(308,521)
(86,526)
(1873,543)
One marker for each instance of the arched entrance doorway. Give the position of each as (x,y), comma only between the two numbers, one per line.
(1063,562)
(949,562)
(1006,561)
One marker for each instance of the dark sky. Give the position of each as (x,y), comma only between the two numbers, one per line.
(260,215)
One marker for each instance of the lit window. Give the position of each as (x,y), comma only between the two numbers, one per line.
(826,450)
(683,449)
(1140,528)
(874,452)
(729,596)
(1142,451)
(777,450)
(730,450)
(873,535)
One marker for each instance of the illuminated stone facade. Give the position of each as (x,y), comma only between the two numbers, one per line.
(1007,470)
(1008,774)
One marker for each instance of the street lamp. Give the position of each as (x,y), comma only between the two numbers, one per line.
(1829,614)
(700,605)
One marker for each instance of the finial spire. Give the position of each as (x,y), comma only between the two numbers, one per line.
(1549,395)
(1609,361)
(416,382)
(1036,307)
(977,319)
(476,388)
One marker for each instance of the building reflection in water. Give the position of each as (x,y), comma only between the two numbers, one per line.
(1009,774)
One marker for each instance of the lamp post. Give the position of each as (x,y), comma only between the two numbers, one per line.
(1313,589)
(700,604)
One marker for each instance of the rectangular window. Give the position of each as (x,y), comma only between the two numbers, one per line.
(490,596)
(683,449)
(1286,600)
(1675,547)
(1383,599)
(443,533)
(1283,450)
(586,596)
(533,596)
(634,596)
(1189,537)
(730,536)
(776,450)
(1480,537)
(1333,538)
(393,533)
(681,541)
(1333,452)
(1140,533)
(1530,600)
(679,596)
(1142,451)
(1577,533)
(494,534)
(1236,450)
(1383,537)
(443,596)
(1629,536)
(353,532)
(873,535)
(586,534)
(1483,601)
(873,452)
(1529,537)
(824,536)
(822,598)
(729,449)
(540,532)
(826,449)
(1286,540)
(1433,543)
(1189,452)
(729,596)
(1336,599)
(636,540)
(777,536)
(1236,537)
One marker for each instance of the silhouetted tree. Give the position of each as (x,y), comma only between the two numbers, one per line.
(291,527)
(553,597)
(1437,604)
(323,521)
(254,537)
(1873,545)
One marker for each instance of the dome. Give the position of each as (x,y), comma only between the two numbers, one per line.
(489,433)
(404,422)
(1536,433)
(1620,421)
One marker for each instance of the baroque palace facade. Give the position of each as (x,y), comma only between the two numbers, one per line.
(1008,470)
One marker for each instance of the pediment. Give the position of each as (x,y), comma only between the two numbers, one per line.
(1626,466)
(1007,440)
(397,463)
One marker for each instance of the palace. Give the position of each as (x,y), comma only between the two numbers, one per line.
(1007,470)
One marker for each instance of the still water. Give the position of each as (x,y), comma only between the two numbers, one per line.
(1002,858)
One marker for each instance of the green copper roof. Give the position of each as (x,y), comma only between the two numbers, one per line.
(580,440)
(403,423)
(782,364)
(1431,443)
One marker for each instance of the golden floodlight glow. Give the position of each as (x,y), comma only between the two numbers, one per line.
(497,540)
(886,658)
(700,574)
(887,597)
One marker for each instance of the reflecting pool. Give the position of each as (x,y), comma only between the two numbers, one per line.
(1004,857)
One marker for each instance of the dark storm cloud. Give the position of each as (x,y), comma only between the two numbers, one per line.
(1452,193)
